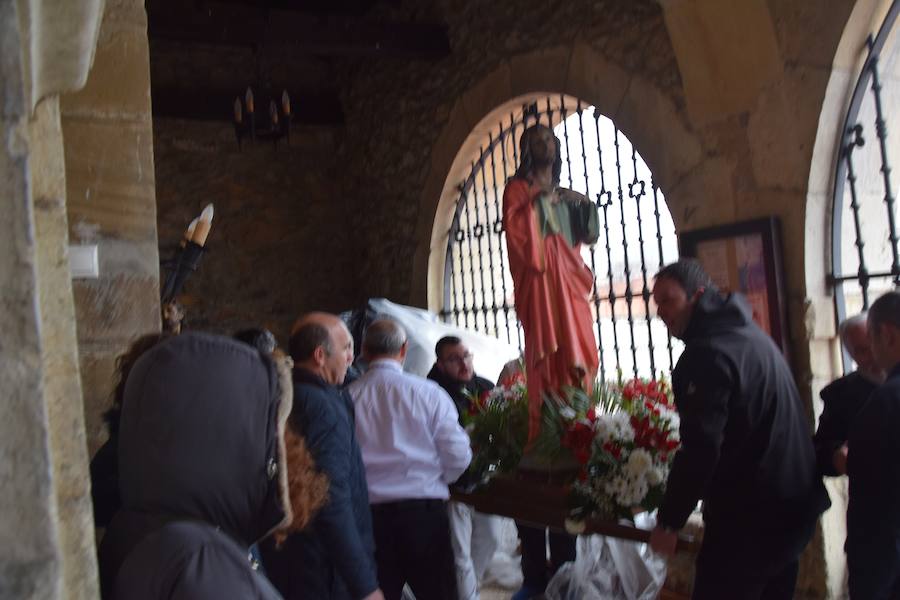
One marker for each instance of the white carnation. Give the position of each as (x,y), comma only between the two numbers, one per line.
(615,486)
(633,492)
(639,462)
(657,475)
(670,415)
(615,426)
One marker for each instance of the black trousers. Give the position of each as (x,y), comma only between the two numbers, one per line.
(536,571)
(412,546)
(714,581)
(874,571)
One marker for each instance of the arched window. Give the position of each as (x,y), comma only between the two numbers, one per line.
(637,236)
(865,249)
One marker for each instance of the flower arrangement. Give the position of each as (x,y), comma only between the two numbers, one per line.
(497,424)
(621,435)
(632,448)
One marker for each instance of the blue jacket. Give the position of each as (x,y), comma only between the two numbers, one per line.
(333,558)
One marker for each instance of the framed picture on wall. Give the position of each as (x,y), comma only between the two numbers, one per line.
(746,257)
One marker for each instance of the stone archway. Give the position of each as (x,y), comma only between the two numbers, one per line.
(823,344)
(649,118)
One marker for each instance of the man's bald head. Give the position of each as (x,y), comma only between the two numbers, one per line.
(321,343)
(322,319)
(384,338)
(854,335)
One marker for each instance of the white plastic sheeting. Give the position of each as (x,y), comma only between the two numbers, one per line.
(608,568)
(425,329)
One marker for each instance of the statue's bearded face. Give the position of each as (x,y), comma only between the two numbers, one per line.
(543,146)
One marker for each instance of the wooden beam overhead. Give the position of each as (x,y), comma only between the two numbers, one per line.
(320,7)
(246,25)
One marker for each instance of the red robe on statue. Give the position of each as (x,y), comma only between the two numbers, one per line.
(552,288)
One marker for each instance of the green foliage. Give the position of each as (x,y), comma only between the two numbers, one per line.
(498,431)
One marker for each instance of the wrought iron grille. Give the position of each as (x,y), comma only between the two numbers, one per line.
(865,252)
(637,237)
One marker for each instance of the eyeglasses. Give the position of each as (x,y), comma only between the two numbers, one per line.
(458,358)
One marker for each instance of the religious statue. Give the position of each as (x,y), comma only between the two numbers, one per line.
(545,226)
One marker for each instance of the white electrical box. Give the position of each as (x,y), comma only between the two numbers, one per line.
(83,261)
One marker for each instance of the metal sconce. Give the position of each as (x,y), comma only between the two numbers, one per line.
(279,125)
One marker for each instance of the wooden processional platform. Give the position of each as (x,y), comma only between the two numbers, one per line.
(525,498)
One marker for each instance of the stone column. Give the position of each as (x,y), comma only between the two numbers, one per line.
(29,548)
(62,381)
(46,532)
(111,202)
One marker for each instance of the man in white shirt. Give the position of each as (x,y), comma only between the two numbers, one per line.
(412,447)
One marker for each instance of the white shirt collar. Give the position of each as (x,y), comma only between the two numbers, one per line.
(386,363)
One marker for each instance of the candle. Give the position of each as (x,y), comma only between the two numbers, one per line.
(237,111)
(285,103)
(203,225)
(189,232)
(248,98)
(273,113)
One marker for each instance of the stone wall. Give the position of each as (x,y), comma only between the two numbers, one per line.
(279,241)
(30,559)
(46,532)
(396,113)
(111,202)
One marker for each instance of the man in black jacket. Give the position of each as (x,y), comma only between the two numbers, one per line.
(333,559)
(746,446)
(844,397)
(475,536)
(873,516)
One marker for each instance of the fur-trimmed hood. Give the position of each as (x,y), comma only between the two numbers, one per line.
(202,435)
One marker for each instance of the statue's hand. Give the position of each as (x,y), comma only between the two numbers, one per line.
(578,374)
(572,196)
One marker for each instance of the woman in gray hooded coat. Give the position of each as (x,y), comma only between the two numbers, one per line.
(203,472)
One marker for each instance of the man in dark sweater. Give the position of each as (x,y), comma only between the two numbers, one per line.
(873,517)
(474,536)
(746,447)
(844,397)
(454,371)
(334,557)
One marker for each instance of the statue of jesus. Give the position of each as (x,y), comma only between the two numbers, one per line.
(545,226)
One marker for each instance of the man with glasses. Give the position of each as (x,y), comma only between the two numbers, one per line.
(474,535)
(454,372)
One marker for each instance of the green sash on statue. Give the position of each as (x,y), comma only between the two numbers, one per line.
(577,222)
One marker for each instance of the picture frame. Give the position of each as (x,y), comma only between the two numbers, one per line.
(746,257)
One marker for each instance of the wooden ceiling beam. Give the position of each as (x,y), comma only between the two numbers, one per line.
(245,25)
